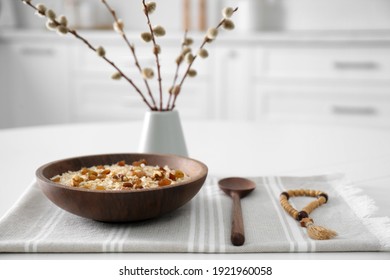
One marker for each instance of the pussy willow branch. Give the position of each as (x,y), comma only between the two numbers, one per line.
(195,56)
(155,53)
(85,41)
(177,70)
(132,49)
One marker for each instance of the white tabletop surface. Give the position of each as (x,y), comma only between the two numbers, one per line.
(228,149)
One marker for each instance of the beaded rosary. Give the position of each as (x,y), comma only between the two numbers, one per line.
(314,232)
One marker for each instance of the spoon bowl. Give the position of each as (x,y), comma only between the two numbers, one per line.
(241,186)
(237,188)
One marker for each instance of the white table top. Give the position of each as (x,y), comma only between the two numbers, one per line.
(228,148)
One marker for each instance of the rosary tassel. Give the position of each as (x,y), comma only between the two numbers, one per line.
(317,232)
(314,232)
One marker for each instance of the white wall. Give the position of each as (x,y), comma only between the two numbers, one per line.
(168,13)
(253,14)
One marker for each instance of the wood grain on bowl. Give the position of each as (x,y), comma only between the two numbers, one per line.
(121,205)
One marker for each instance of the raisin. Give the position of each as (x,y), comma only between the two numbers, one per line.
(164,182)
(127,185)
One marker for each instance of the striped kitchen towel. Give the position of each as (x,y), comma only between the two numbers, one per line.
(203,225)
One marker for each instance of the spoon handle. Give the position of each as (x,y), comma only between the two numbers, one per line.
(237,235)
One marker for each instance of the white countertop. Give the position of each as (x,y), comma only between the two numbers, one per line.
(228,148)
(344,36)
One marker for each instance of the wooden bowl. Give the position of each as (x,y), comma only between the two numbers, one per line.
(121,205)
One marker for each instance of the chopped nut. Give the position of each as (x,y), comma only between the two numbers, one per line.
(138,184)
(140,173)
(157,175)
(121,163)
(86,186)
(172,177)
(78,178)
(138,163)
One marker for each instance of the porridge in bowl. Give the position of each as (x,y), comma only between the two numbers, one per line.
(122,176)
(100,191)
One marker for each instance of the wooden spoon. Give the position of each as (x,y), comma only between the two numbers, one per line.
(237,188)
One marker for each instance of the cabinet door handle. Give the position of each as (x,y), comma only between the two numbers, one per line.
(356,65)
(351,110)
(37,51)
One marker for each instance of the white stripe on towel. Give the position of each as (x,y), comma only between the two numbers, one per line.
(192,230)
(106,243)
(118,242)
(221,225)
(286,230)
(305,244)
(202,221)
(112,240)
(300,243)
(47,228)
(211,233)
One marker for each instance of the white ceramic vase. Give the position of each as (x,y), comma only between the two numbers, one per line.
(162,133)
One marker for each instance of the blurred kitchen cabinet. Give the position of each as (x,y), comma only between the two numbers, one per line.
(296,77)
(39,83)
(364,105)
(96,97)
(233,81)
(331,82)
